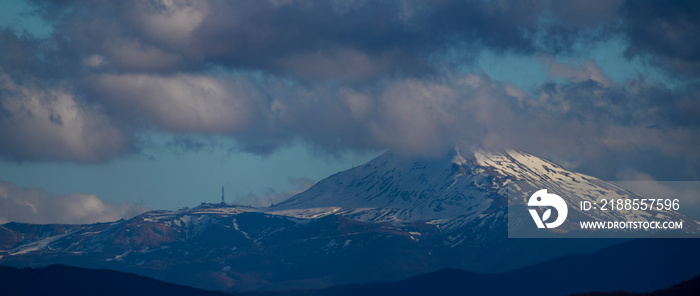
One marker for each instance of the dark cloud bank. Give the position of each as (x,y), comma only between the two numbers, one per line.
(364,75)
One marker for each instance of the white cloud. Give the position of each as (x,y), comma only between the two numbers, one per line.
(32,205)
(171,21)
(417,117)
(50,123)
(180,103)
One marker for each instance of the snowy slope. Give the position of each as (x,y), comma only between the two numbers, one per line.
(388,219)
(391,188)
(455,189)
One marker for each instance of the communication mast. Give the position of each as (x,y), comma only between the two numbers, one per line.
(222,195)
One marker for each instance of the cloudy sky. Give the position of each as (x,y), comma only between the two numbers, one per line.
(111,107)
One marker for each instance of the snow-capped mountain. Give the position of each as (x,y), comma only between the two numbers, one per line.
(455,189)
(392,188)
(217,246)
(388,219)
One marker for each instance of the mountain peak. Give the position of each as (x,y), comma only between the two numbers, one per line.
(444,211)
(405,188)
(453,189)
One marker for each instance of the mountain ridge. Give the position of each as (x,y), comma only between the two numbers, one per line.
(614,268)
(453,214)
(66,280)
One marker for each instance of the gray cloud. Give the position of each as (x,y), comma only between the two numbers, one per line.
(52,123)
(340,75)
(351,41)
(355,41)
(665,33)
(28,205)
(179,103)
